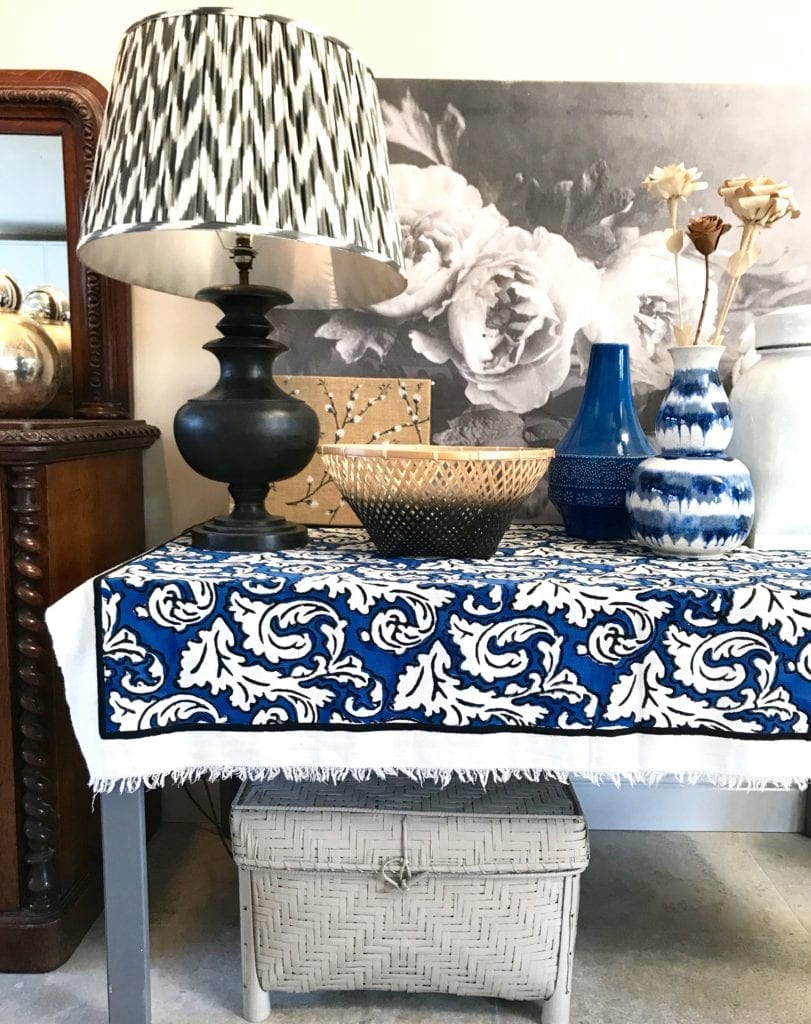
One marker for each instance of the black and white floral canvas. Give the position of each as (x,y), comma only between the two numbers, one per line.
(528,239)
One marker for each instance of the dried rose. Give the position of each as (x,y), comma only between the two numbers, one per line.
(705,233)
(675,181)
(761,201)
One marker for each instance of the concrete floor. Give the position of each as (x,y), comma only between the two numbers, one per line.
(675,928)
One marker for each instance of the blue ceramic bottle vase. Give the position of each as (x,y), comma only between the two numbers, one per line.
(692,499)
(594,461)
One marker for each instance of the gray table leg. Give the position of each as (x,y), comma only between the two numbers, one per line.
(126,913)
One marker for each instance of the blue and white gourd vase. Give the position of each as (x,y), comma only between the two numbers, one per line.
(692,500)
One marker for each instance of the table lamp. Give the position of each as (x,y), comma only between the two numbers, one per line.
(242,161)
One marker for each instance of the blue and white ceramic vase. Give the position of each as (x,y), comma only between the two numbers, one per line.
(593,463)
(692,500)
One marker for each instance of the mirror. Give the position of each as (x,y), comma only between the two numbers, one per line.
(33,243)
(34,265)
(49,125)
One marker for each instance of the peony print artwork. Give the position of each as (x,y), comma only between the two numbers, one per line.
(528,238)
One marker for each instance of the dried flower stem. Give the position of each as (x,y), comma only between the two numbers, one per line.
(706,298)
(748,237)
(673,209)
(732,287)
(678,291)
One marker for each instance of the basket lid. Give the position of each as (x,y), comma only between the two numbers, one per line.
(519,797)
(519,827)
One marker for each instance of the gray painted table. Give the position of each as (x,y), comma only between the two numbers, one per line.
(126,911)
(609,631)
(126,907)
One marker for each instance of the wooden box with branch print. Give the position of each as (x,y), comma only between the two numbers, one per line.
(357,409)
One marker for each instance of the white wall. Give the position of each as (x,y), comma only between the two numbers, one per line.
(585,40)
(671,806)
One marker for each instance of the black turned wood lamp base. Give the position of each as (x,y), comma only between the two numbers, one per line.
(223,533)
(246,431)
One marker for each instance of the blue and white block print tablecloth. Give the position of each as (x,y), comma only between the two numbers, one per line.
(554,656)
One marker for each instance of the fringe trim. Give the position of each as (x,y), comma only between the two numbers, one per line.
(443,776)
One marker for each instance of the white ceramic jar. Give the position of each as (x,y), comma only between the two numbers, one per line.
(771,409)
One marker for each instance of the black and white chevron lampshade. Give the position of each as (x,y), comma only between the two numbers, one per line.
(221,124)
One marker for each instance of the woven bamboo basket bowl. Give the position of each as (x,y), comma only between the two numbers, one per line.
(435,501)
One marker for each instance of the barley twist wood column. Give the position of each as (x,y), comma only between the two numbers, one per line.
(32,663)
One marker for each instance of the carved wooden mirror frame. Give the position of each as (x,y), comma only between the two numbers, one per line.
(71,104)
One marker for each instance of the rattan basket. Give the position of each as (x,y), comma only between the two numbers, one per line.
(431,500)
(393,885)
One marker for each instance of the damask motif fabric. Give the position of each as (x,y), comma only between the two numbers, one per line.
(551,634)
(331,657)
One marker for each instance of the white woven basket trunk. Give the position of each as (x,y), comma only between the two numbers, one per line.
(392,885)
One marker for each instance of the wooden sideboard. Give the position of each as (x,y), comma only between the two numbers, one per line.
(71,505)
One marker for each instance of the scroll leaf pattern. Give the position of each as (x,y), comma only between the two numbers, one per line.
(550,634)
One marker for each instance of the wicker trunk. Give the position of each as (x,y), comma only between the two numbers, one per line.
(392,885)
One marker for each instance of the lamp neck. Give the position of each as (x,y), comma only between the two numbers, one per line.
(243,254)
(246,308)
(246,350)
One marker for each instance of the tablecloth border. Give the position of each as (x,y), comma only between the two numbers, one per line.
(375,725)
(466,730)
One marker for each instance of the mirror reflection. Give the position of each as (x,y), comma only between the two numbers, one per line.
(35,375)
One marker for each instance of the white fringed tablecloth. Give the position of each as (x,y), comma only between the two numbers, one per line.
(555,657)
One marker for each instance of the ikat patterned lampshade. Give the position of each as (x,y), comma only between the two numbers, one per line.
(221,124)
